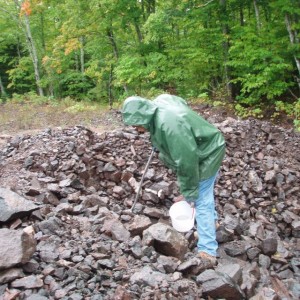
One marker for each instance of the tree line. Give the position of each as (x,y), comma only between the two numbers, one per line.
(241,51)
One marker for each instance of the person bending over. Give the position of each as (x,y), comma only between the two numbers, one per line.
(190,146)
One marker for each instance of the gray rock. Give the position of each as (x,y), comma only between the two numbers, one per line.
(166,240)
(10,275)
(279,179)
(118,191)
(116,229)
(270,175)
(168,263)
(93,200)
(136,247)
(218,285)
(264,261)
(147,277)
(48,249)
(36,297)
(31,267)
(250,277)
(154,212)
(137,251)
(186,287)
(48,198)
(28,282)
(139,224)
(229,209)
(161,188)
(269,246)
(294,287)
(296,228)
(106,263)
(20,246)
(75,296)
(10,293)
(109,167)
(120,293)
(266,294)
(257,230)
(223,235)
(234,271)
(51,226)
(150,196)
(13,206)
(255,181)
(28,162)
(285,274)
(295,263)
(253,252)
(236,248)
(233,223)
(191,266)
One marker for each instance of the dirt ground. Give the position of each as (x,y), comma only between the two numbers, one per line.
(16,119)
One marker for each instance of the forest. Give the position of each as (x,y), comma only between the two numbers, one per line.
(245,53)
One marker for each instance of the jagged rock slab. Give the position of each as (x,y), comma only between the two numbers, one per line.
(14,206)
(166,240)
(17,247)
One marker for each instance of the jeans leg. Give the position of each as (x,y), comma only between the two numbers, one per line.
(206,217)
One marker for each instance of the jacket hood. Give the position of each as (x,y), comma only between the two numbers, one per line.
(138,111)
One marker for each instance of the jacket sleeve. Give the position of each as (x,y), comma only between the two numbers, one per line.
(183,151)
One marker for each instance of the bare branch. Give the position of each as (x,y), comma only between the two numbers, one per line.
(205,4)
(294,96)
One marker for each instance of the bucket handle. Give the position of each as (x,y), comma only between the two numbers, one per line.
(193,212)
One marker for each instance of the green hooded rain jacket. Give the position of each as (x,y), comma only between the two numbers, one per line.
(187,143)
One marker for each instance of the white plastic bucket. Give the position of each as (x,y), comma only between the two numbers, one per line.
(182,216)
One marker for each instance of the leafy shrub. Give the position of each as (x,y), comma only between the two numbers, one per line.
(98,93)
(76,85)
(291,109)
(80,107)
(30,97)
(21,77)
(258,67)
(245,112)
(152,93)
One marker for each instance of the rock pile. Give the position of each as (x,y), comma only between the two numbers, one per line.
(67,230)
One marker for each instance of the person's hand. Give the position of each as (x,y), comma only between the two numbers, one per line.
(178,198)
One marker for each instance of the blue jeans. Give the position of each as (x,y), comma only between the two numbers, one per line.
(206,217)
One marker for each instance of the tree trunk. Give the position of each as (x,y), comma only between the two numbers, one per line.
(76,61)
(2,89)
(151,7)
(143,10)
(110,98)
(294,40)
(81,39)
(42,32)
(33,53)
(113,43)
(242,15)
(31,48)
(257,16)
(138,32)
(18,47)
(225,31)
(140,39)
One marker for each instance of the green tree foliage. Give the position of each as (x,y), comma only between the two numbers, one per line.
(245,51)
(76,85)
